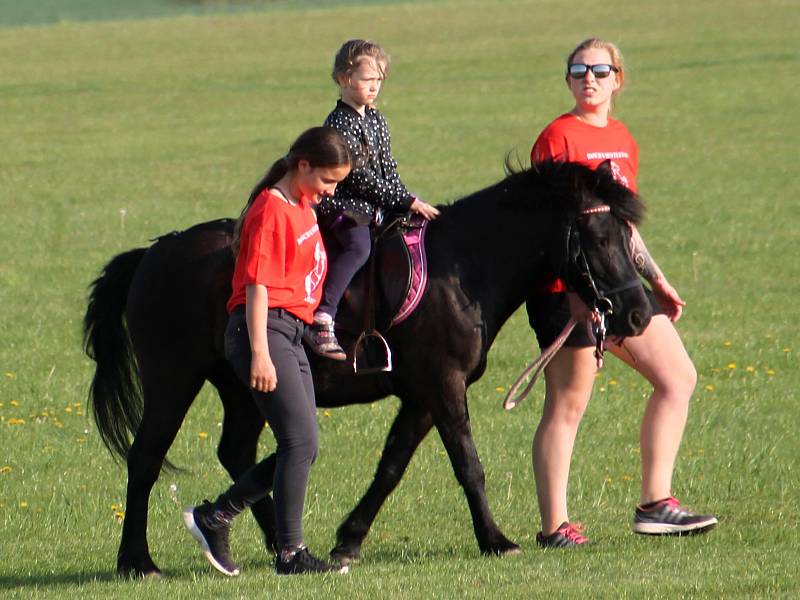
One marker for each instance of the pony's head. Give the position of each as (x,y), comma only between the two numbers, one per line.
(594,259)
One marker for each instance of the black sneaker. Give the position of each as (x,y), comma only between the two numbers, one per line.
(668,517)
(568,535)
(321,338)
(210,528)
(303,561)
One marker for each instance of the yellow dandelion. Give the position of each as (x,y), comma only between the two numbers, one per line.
(23,504)
(612,382)
(728,343)
(119,515)
(499,388)
(5,469)
(787,350)
(1,404)
(326,413)
(15,403)
(115,507)
(80,440)
(76,404)
(16,421)
(59,424)
(770,372)
(202,435)
(68,409)
(710,387)
(626,478)
(750,369)
(607,479)
(731,366)
(11,375)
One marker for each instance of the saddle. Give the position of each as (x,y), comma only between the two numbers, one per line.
(385,291)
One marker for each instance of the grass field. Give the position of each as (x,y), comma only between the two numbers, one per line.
(115,131)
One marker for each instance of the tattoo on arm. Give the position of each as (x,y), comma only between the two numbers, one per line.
(642,260)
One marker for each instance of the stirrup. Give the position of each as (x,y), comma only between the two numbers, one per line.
(371,354)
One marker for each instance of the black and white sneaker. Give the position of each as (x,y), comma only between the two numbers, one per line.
(668,517)
(302,561)
(210,528)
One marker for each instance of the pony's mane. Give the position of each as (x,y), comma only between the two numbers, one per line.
(567,186)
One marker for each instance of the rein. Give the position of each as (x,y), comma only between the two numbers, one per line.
(601,308)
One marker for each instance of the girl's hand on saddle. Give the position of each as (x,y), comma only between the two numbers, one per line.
(668,298)
(423,208)
(263,377)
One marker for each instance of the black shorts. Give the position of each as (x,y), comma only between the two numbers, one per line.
(548,314)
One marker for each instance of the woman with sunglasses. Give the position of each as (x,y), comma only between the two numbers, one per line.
(587,134)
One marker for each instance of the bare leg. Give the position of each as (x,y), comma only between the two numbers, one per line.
(659,355)
(568,378)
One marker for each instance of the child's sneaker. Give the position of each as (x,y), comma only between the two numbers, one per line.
(567,535)
(210,528)
(302,561)
(668,517)
(321,338)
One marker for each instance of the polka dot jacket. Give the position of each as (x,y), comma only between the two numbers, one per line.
(373,181)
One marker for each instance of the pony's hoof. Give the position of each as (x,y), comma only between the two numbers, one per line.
(128,570)
(505,548)
(345,556)
(153,574)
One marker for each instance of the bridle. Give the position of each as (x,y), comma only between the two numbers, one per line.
(601,306)
(576,258)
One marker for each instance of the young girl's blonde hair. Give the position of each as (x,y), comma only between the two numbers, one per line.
(350,55)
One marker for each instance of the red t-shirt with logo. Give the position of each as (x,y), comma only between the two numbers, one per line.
(280,247)
(569,139)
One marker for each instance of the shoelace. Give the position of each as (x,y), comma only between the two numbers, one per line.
(309,559)
(573,532)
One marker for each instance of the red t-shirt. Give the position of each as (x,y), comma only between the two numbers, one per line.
(569,139)
(280,247)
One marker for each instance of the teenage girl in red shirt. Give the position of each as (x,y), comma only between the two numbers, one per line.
(277,284)
(587,134)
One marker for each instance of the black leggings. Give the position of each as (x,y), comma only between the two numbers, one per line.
(291,413)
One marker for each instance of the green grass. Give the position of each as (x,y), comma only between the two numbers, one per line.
(115,132)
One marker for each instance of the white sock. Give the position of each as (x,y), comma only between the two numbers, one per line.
(323,318)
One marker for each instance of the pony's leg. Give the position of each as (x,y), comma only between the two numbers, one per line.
(238,446)
(452,421)
(409,429)
(165,406)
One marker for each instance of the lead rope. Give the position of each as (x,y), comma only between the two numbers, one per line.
(537,366)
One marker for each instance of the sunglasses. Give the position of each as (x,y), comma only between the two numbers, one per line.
(579,70)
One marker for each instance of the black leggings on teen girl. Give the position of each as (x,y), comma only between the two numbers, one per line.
(290,411)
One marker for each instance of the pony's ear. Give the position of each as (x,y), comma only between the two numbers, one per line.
(605,168)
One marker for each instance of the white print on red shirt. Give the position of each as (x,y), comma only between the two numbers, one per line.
(617,173)
(314,278)
(314,229)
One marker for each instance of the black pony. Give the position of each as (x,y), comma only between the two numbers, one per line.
(156,316)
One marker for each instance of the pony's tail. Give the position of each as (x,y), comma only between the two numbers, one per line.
(115,392)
